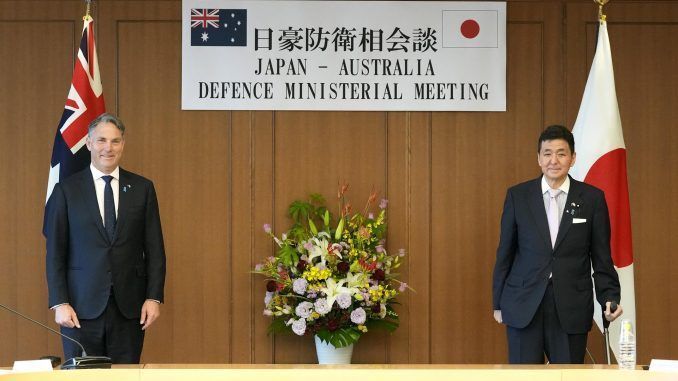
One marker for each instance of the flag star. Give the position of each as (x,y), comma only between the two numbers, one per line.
(238,22)
(232,39)
(225,25)
(204,37)
(232,15)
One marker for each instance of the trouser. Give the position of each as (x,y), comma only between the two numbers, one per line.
(545,336)
(111,334)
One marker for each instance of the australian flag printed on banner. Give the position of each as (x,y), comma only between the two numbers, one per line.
(218,27)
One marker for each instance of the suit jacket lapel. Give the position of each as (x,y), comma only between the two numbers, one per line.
(90,195)
(566,220)
(123,201)
(536,202)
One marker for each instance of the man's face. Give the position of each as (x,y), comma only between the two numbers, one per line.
(555,160)
(105,144)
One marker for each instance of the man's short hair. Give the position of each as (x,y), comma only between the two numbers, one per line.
(106,118)
(555,132)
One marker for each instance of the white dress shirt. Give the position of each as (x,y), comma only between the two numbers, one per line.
(100,184)
(561,198)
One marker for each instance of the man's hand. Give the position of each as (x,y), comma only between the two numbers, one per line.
(65,316)
(612,316)
(497,316)
(149,312)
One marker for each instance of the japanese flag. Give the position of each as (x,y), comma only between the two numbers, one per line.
(601,161)
(470,29)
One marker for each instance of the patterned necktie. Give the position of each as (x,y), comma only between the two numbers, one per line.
(109,208)
(553,219)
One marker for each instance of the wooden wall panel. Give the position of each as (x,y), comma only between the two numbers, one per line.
(186,154)
(476,156)
(221,175)
(644,53)
(36,47)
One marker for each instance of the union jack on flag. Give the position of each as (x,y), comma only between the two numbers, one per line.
(204,18)
(218,27)
(84,103)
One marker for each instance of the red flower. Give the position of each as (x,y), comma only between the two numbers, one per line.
(379,275)
(332,325)
(367,266)
(343,267)
(271,286)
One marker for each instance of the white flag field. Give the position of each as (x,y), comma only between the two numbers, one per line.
(601,161)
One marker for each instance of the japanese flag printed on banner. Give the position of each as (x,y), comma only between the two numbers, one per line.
(470,29)
(601,161)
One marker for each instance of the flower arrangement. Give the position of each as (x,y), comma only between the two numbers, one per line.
(336,281)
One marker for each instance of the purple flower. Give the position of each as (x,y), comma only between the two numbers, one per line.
(299,285)
(258,267)
(403,287)
(268,297)
(383,203)
(299,326)
(380,249)
(358,316)
(304,309)
(321,306)
(401,252)
(308,245)
(344,300)
(267,228)
(370,216)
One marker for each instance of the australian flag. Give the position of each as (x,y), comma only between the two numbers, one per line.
(218,27)
(85,102)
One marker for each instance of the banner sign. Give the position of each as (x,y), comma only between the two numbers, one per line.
(343,55)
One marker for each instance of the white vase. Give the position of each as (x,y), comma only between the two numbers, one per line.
(328,354)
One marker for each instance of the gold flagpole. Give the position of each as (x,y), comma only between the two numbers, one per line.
(601,16)
(88,15)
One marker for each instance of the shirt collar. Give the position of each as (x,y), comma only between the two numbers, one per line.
(564,187)
(97,174)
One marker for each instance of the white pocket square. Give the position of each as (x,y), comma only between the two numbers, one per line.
(578,220)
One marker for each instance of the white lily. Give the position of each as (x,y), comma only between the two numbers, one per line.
(319,249)
(354,282)
(333,290)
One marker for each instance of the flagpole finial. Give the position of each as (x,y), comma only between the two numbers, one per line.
(601,16)
(88,15)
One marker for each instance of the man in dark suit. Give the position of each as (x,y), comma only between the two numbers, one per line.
(105,252)
(554,229)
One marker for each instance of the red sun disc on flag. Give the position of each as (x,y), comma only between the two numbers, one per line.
(609,174)
(470,28)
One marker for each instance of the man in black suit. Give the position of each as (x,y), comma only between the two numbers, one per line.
(554,229)
(105,252)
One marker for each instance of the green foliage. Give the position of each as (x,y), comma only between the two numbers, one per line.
(300,210)
(388,325)
(278,326)
(341,337)
(288,255)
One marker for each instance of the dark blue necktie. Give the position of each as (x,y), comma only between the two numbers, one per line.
(109,208)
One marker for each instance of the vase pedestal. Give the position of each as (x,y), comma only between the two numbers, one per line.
(328,354)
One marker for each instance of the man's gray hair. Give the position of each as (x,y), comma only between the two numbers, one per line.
(106,118)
